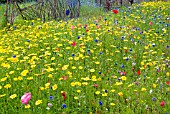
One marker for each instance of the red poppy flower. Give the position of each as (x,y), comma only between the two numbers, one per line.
(64,95)
(139,72)
(115,11)
(87,30)
(168,83)
(73,44)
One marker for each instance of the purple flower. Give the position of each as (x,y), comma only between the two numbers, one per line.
(153,99)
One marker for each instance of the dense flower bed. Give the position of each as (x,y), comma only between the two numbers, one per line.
(116,63)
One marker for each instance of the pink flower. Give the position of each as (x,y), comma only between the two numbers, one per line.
(25,98)
(162,103)
(72,27)
(150,23)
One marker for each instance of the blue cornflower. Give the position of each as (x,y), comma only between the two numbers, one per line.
(64,105)
(51,97)
(100,103)
(73,55)
(122,66)
(13,56)
(96,40)
(99,72)
(67,12)
(78,37)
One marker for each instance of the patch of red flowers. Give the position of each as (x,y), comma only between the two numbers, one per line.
(64,95)
(115,11)
(139,73)
(73,44)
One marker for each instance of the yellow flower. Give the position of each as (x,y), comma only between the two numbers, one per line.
(154,85)
(20,78)
(104,95)
(84,83)
(50,75)
(130,85)
(99,79)
(97,63)
(73,84)
(73,67)
(3,79)
(7,86)
(76,98)
(168,88)
(42,88)
(13,96)
(53,58)
(30,78)
(167,74)
(114,76)
(27,106)
(78,91)
(54,87)
(92,70)
(112,104)
(120,94)
(38,102)
(47,85)
(24,73)
(97,92)
(0,87)
(143,89)
(80,67)
(123,77)
(11,72)
(118,83)
(2,95)
(112,90)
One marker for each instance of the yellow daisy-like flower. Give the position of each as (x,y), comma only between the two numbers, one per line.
(27,106)
(38,102)
(112,90)
(7,86)
(2,95)
(13,96)
(120,94)
(143,89)
(73,67)
(24,73)
(76,98)
(112,104)
(78,91)
(154,85)
(42,88)
(104,95)
(54,87)
(20,78)
(73,84)
(80,67)
(3,79)
(92,70)
(50,75)
(97,92)
(123,78)
(53,58)
(167,74)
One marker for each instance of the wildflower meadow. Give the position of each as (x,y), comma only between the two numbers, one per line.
(114,63)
